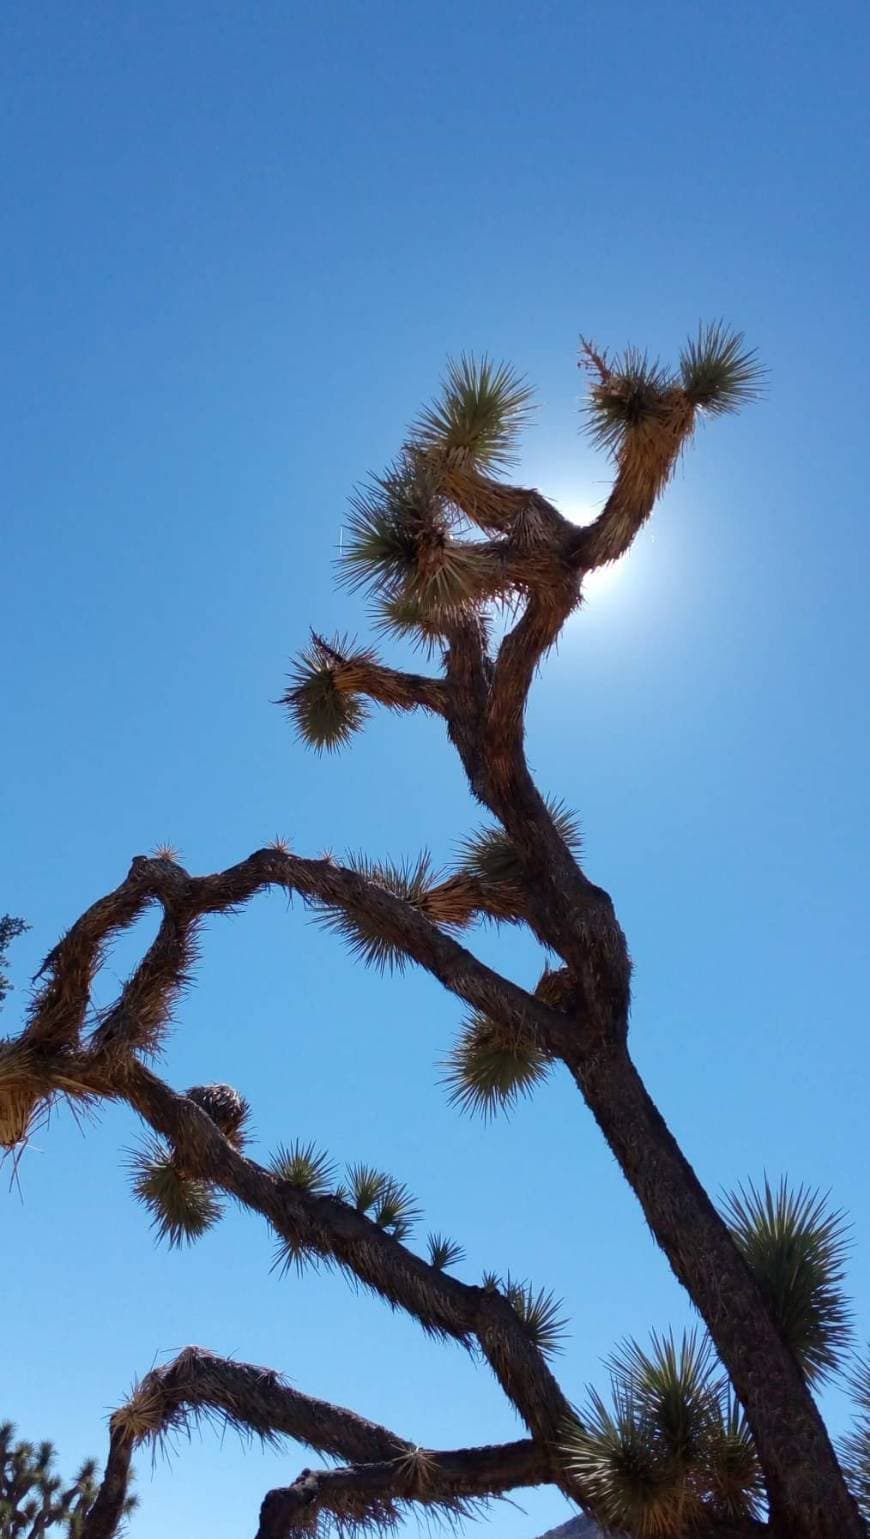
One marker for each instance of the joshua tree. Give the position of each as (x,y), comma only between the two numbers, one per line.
(482,574)
(34,1500)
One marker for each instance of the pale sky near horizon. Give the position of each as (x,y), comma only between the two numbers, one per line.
(240,243)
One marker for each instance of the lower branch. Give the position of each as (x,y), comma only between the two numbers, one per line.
(374,1494)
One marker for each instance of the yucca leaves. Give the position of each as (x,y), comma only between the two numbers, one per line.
(478,415)
(673,1385)
(540,1312)
(409,880)
(402,616)
(732,1471)
(631,392)
(670,1445)
(397,544)
(325,716)
(182,1208)
(634,393)
(629,1485)
(304,1165)
(395,1209)
(492,857)
(796,1247)
(388,1201)
(379,542)
(491,1067)
(443,1252)
(717,371)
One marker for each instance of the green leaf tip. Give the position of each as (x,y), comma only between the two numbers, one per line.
(182,1207)
(478,415)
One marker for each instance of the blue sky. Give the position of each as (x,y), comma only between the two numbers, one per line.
(240,243)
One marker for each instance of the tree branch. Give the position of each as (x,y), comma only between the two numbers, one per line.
(373,1493)
(360,673)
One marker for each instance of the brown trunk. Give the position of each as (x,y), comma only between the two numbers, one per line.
(808,1496)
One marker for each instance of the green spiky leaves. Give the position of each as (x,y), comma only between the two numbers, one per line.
(633,393)
(718,372)
(387,1201)
(304,1165)
(478,415)
(630,393)
(443,1253)
(325,714)
(796,1246)
(397,545)
(491,856)
(492,1066)
(540,1312)
(182,1207)
(670,1447)
(366,933)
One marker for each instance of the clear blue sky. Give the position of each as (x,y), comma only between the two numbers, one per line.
(240,241)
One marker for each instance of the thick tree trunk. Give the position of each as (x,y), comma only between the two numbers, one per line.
(808,1496)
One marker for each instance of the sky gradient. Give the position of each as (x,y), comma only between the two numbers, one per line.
(240,243)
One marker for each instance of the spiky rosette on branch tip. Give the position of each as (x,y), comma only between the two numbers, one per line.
(324,709)
(492,1066)
(718,372)
(182,1207)
(476,419)
(635,394)
(228,1110)
(398,547)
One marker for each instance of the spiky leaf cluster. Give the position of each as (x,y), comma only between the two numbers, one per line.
(669,1448)
(478,415)
(325,716)
(182,1207)
(540,1312)
(717,371)
(492,1066)
(443,1252)
(398,546)
(369,941)
(387,1201)
(304,1165)
(491,856)
(796,1247)
(633,392)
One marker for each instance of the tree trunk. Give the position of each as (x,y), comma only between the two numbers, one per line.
(808,1496)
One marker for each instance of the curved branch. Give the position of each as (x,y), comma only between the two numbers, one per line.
(188,899)
(373,1493)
